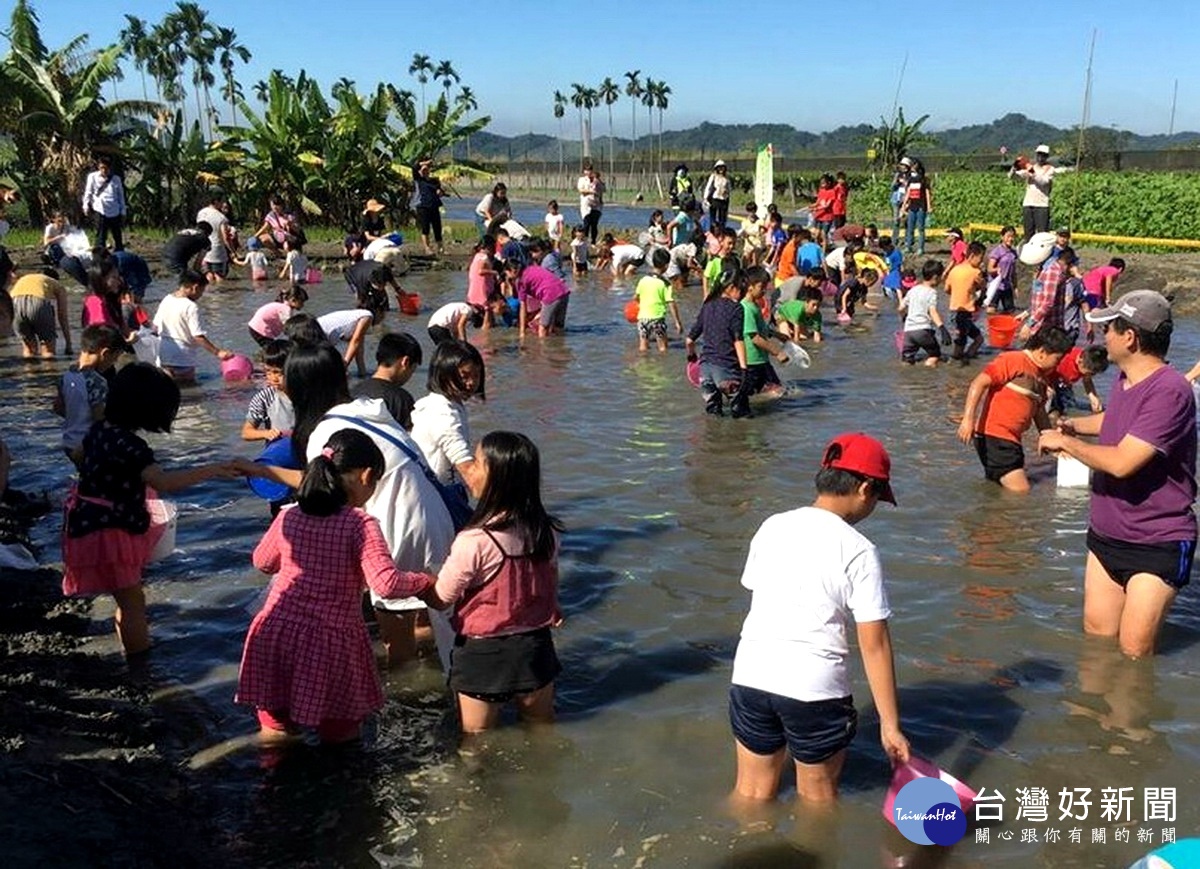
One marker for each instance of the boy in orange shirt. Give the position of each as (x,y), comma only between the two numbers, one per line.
(1013,389)
(964,282)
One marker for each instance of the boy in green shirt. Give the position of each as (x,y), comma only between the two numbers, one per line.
(760,338)
(801,318)
(723,260)
(654,297)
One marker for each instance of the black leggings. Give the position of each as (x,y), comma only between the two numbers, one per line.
(104,225)
(430,218)
(718,212)
(591,225)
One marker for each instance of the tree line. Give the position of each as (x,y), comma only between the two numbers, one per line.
(325,151)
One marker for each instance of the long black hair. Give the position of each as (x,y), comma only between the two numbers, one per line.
(315,378)
(512,495)
(321,492)
(104,280)
(444,377)
(142,397)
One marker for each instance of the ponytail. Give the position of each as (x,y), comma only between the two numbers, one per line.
(321,492)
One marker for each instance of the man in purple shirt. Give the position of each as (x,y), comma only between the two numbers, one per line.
(539,291)
(1142,532)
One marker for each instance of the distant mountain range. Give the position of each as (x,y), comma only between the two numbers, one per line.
(1015,131)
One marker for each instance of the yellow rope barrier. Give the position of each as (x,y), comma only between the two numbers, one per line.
(1185,243)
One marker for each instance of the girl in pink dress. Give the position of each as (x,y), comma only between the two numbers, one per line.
(307,661)
(502,574)
(481,275)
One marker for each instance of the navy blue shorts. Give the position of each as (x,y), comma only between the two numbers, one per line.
(813,731)
(1171,562)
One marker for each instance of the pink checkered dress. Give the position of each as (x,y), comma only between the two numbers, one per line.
(307,654)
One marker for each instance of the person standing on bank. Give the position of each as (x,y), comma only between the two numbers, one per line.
(104,196)
(716,195)
(1142,532)
(1038,178)
(428,196)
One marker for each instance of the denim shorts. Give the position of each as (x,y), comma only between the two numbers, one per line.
(813,731)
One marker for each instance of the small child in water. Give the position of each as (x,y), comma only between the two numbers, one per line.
(655,297)
(83,390)
(255,259)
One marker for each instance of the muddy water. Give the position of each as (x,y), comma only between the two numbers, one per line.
(660,502)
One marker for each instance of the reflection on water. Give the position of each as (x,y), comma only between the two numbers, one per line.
(660,502)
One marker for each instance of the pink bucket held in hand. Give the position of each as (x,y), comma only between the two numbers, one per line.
(918,767)
(237,368)
(693,372)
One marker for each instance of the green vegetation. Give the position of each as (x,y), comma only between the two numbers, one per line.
(327,154)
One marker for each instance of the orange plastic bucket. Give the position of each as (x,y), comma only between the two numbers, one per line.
(410,304)
(631,310)
(1002,328)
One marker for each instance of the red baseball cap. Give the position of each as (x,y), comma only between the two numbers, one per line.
(861,454)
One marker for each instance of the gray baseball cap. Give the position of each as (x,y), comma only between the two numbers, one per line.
(1145,309)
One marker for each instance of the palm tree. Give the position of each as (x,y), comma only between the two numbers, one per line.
(560,109)
(662,94)
(648,102)
(610,93)
(445,73)
(198,41)
(467,103)
(135,42)
(633,90)
(229,49)
(579,99)
(166,60)
(591,99)
(421,67)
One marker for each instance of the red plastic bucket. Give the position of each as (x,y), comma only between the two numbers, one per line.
(1002,328)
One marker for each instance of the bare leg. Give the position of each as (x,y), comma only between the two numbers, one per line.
(537,707)
(757,775)
(1147,599)
(132,628)
(1016,481)
(478,715)
(397,629)
(48,350)
(1103,600)
(818,782)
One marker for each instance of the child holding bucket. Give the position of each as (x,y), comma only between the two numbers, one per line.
(1010,394)
(181,330)
(964,282)
(108,535)
(791,681)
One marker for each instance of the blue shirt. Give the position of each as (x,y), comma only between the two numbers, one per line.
(895,261)
(133,271)
(809,256)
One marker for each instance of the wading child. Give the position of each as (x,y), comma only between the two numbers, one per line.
(107,536)
(753,240)
(684,261)
(307,661)
(1002,273)
(655,297)
(958,247)
(722,261)
(295,263)
(481,275)
(1004,399)
(1079,363)
(895,263)
(439,419)
(267,323)
(921,318)
(964,282)
(181,330)
(777,237)
(502,578)
(853,292)
(83,390)
(396,358)
(623,259)
(759,337)
(450,322)
(800,319)
(791,681)
(579,250)
(555,223)
(720,329)
(270,415)
(533,285)
(257,260)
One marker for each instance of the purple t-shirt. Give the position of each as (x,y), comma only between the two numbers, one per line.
(1006,264)
(540,284)
(1155,504)
(719,325)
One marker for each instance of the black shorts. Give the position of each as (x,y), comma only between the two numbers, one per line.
(813,731)
(496,669)
(918,340)
(1171,561)
(261,340)
(220,269)
(999,457)
(440,334)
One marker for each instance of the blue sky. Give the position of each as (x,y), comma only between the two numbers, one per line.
(968,63)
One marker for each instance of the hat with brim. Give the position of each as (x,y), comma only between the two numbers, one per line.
(1042,149)
(373,206)
(864,456)
(720,164)
(1145,309)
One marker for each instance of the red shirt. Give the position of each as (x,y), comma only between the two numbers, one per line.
(823,208)
(1068,370)
(840,193)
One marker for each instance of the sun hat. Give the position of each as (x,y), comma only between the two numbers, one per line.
(1042,149)
(906,161)
(719,164)
(861,454)
(1145,309)
(374,206)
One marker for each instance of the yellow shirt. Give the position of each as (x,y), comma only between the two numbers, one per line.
(38,286)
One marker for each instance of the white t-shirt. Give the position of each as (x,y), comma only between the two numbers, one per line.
(836,258)
(339,325)
(625,254)
(214,217)
(917,303)
(447,315)
(372,251)
(178,323)
(440,429)
(297,266)
(415,522)
(554,225)
(810,572)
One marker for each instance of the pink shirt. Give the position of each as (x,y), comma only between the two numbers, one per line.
(1093,281)
(497,588)
(540,284)
(269,319)
(479,285)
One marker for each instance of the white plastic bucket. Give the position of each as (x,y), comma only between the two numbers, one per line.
(1072,473)
(164,517)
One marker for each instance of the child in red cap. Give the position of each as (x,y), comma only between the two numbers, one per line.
(791,683)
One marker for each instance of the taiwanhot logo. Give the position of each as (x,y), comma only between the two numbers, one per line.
(927,812)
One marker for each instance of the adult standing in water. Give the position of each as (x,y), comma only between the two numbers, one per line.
(493,206)
(591,201)
(1039,179)
(716,195)
(428,197)
(104,196)
(1141,531)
